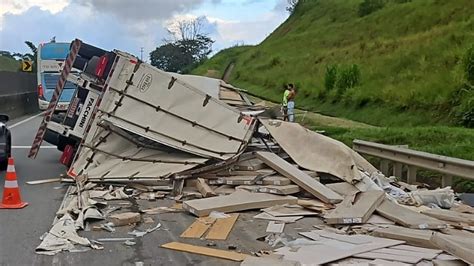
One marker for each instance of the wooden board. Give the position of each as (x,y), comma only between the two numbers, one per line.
(375,255)
(220,230)
(289,210)
(198,228)
(343,188)
(300,178)
(452,216)
(357,212)
(460,247)
(416,237)
(399,252)
(204,188)
(407,217)
(353,239)
(417,249)
(223,254)
(249,165)
(250,180)
(238,201)
(278,190)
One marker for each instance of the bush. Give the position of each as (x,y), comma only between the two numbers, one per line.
(369,6)
(349,77)
(330,77)
(468,63)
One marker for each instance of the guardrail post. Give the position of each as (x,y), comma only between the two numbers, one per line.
(411,176)
(384,167)
(397,169)
(446,180)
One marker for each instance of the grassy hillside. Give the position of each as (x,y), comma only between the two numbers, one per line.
(408,56)
(9,64)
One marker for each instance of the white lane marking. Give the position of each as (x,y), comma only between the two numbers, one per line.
(29,147)
(25,120)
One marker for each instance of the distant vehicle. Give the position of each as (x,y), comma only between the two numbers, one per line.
(50,62)
(5,142)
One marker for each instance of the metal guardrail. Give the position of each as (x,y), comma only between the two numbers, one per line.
(402,156)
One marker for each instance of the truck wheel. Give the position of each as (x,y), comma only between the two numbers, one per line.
(8,151)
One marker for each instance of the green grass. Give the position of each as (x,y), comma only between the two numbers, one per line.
(9,64)
(410,57)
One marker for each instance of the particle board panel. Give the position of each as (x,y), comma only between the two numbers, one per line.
(460,247)
(407,217)
(416,237)
(238,201)
(204,188)
(198,228)
(274,227)
(286,219)
(300,178)
(417,249)
(384,256)
(349,212)
(221,229)
(400,252)
(343,188)
(212,252)
(452,216)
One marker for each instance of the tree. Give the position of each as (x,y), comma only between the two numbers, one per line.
(188,47)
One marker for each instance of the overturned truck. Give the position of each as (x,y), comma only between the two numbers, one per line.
(129,120)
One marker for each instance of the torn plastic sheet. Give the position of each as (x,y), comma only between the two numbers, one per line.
(63,237)
(318,153)
(441,197)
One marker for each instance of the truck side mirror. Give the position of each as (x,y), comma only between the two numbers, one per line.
(4,118)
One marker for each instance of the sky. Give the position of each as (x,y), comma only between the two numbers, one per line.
(129,25)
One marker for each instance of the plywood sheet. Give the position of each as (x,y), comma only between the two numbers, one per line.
(288,210)
(198,228)
(407,217)
(300,178)
(375,255)
(285,219)
(416,237)
(220,230)
(223,254)
(343,188)
(278,190)
(460,247)
(237,201)
(357,212)
(410,253)
(451,216)
(275,227)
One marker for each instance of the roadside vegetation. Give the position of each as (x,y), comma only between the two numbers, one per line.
(405,67)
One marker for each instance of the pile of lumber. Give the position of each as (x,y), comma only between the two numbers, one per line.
(288,174)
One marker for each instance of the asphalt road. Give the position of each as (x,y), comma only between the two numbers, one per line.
(20,229)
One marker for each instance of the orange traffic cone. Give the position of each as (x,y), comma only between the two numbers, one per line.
(11,192)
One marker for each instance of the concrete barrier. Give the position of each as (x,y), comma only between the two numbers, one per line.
(18,94)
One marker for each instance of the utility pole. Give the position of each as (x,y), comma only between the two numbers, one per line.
(141,53)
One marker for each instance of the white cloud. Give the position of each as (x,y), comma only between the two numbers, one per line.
(16,7)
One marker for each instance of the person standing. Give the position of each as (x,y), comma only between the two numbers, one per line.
(285,102)
(291,102)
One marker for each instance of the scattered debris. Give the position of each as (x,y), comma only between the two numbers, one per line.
(223,254)
(274,227)
(125,218)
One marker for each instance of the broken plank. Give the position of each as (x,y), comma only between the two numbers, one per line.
(220,230)
(238,201)
(278,190)
(407,217)
(249,165)
(353,239)
(399,252)
(452,216)
(417,249)
(204,188)
(300,178)
(198,228)
(416,237)
(357,212)
(212,252)
(125,218)
(460,247)
(375,255)
(288,210)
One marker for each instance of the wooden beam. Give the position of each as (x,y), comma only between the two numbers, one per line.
(300,178)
